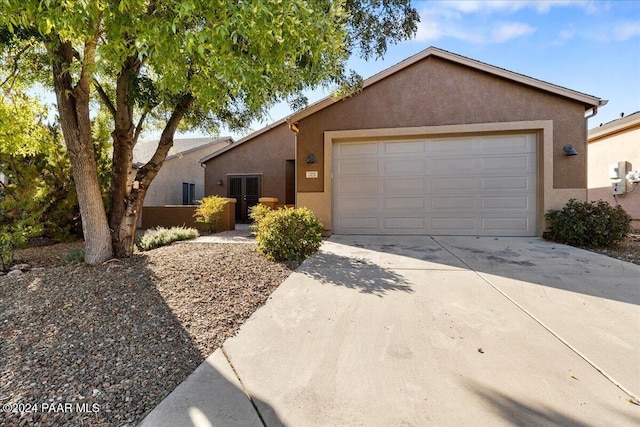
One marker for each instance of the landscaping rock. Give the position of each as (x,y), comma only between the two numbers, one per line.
(121,335)
(22,267)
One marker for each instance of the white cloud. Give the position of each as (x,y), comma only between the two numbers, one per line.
(505,31)
(510,6)
(430,30)
(436,23)
(626,30)
(564,36)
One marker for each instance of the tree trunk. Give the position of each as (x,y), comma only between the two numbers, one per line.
(127,194)
(125,210)
(73,109)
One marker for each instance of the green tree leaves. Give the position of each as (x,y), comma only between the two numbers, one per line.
(173,62)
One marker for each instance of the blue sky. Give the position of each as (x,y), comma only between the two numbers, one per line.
(588,46)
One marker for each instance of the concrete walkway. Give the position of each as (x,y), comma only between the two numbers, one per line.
(241,234)
(415,331)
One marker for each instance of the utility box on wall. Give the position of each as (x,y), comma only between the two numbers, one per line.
(618,188)
(617,171)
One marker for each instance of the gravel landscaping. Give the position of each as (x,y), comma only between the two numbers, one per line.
(102,346)
(629,250)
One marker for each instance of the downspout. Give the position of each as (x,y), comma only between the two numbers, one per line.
(594,111)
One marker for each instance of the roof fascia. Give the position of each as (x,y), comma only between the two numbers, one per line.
(598,133)
(200,147)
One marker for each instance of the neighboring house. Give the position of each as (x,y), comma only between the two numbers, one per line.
(259,165)
(614,142)
(437,144)
(180,181)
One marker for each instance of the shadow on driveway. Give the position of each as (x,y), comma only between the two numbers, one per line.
(519,413)
(354,273)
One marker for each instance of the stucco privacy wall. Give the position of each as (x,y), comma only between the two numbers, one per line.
(435,92)
(265,154)
(619,143)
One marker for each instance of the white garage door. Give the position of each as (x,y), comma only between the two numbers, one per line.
(476,185)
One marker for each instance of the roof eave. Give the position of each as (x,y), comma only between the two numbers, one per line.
(599,133)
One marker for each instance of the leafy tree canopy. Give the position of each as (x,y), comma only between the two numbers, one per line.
(233,57)
(178,63)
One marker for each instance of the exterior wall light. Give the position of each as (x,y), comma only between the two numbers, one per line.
(311,159)
(569,150)
(219,182)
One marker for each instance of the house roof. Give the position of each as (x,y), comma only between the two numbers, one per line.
(144,150)
(615,126)
(233,145)
(588,100)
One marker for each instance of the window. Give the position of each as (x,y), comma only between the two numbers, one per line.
(188,193)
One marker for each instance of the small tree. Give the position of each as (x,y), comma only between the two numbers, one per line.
(210,211)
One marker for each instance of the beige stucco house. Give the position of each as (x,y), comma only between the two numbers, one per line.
(437,144)
(612,143)
(181,178)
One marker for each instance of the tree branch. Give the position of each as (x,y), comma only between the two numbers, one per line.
(146,173)
(139,127)
(105,98)
(15,69)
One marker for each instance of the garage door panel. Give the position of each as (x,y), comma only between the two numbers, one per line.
(357,149)
(359,167)
(506,144)
(451,185)
(477,185)
(404,203)
(404,147)
(450,225)
(443,147)
(404,223)
(522,183)
(457,203)
(522,203)
(404,167)
(360,224)
(405,185)
(353,185)
(505,224)
(358,204)
(462,166)
(507,164)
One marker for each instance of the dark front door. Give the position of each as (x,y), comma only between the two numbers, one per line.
(246,190)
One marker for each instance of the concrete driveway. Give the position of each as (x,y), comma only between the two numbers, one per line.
(415,331)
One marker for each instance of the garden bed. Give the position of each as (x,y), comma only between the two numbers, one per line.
(102,346)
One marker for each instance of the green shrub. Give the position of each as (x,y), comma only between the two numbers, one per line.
(74,256)
(589,224)
(18,223)
(160,236)
(210,211)
(288,234)
(257,212)
(7,247)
